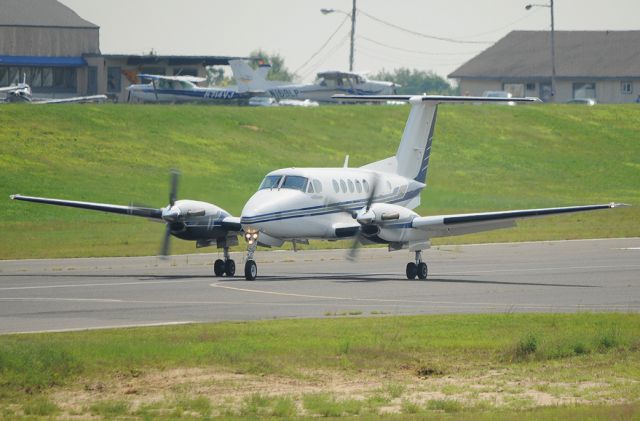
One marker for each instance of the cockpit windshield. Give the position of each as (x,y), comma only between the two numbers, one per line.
(295,182)
(270,182)
(290,182)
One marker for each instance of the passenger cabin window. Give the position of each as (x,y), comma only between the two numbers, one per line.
(358,186)
(295,182)
(351,188)
(365,184)
(317,185)
(270,182)
(310,188)
(336,187)
(343,186)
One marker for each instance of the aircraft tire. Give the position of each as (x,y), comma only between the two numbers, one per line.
(250,270)
(422,270)
(230,268)
(218,267)
(412,270)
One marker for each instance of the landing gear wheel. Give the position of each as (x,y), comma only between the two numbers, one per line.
(218,267)
(230,268)
(412,270)
(422,270)
(250,270)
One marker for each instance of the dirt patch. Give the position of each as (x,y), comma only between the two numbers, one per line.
(252,128)
(229,390)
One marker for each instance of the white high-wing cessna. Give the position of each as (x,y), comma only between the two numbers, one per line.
(327,84)
(177,89)
(21,93)
(371,204)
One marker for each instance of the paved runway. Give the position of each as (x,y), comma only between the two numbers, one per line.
(594,275)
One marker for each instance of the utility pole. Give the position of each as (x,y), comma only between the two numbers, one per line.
(553,56)
(353,32)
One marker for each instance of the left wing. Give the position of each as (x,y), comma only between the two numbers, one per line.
(448,225)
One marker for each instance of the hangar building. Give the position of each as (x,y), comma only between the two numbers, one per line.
(59,53)
(603,65)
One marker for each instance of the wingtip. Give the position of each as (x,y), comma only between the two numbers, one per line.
(13,196)
(619,205)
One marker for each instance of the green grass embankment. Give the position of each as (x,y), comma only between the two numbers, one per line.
(484,158)
(498,366)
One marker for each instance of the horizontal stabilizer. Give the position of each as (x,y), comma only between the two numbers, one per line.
(437,99)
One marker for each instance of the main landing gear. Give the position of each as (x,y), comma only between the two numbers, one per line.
(419,268)
(226,266)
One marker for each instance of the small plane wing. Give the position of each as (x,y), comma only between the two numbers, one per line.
(104,207)
(73,100)
(448,225)
(432,98)
(193,79)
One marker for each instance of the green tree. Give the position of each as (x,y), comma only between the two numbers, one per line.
(278,69)
(417,82)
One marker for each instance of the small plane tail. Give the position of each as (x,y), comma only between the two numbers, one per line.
(247,78)
(412,158)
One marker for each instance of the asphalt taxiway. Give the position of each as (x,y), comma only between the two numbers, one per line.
(563,276)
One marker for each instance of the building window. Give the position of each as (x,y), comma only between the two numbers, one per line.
(114,80)
(584,90)
(515,89)
(154,70)
(626,88)
(531,86)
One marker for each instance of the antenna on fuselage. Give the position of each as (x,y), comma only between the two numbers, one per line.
(346,162)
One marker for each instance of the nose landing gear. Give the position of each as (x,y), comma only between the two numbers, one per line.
(250,267)
(419,268)
(226,266)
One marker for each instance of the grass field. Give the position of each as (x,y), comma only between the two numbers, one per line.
(525,366)
(484,158)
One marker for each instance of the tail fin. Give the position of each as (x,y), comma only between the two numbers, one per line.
(412,157)
(247,78)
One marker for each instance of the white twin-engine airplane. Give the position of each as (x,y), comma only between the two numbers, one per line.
(370,204)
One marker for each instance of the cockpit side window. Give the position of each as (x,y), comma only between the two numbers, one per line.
(295,182)
(270,182)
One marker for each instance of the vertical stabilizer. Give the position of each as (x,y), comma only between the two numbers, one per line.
(415,147)
(247,78)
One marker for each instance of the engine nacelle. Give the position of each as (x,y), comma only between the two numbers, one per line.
(385,213)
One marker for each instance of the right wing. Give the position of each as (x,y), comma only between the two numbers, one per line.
(104,207)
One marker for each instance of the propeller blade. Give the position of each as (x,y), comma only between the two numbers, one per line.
(164,252)
(352,254)
(374,187)
(173,192)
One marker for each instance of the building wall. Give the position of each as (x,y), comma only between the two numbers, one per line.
(42,41)
(606,91)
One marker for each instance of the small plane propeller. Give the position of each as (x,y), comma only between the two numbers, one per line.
(364,217)
(170,214)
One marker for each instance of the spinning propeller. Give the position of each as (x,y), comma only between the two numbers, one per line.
(364,217)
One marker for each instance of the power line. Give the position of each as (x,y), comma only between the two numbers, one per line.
(325,44)
(409,31)
(415,51)
(327,56)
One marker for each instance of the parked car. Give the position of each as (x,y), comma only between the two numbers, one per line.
(583,101)
(499,94)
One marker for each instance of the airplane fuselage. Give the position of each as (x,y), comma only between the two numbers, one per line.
(322,93)
(320,203)
(147,93)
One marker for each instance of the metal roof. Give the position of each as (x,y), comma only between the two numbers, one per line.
(40,13)
(579,54)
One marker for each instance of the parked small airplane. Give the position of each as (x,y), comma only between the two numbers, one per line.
(175,89)
(325,87)
(370,204)
(21,93)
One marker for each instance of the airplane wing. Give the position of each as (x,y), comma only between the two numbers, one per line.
(449,225)
(73,100)
(193,79)
(104,207)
